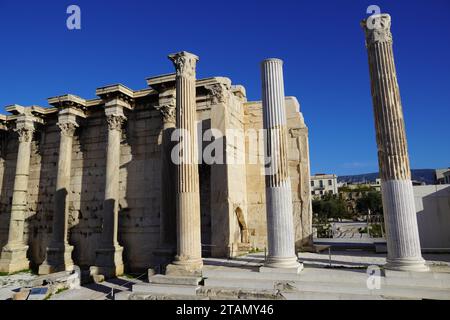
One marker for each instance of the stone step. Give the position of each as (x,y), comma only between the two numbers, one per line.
(238,294)
(391,278)
(242,283)
(165,289)
(311,295)
(384,291)
(248,275)
(147,296)
(175,280)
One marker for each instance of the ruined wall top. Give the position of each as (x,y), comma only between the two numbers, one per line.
(160,89)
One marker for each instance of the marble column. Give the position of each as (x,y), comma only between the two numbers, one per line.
(59,252)
(168,217)
(109,262)
(188,260)
(402,234)
(280,219)
(14,254)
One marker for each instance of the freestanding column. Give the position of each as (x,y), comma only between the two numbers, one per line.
(168,218)
(280,220)
(109,261)
(59,252)
(189,257)
(14,254)
(398,199)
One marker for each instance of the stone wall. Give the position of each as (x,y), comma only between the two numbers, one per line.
(298,154)
(232,196)
(433,216)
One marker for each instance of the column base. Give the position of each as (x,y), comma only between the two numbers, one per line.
(416,264)
(14,258)
(185,268)
(59,258)
(108,262)
(282,265)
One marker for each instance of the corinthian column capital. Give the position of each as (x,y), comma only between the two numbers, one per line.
(115,121)
(377,29)
(184,63)
(168,112)
(219,92)
(67,128)
(25,133)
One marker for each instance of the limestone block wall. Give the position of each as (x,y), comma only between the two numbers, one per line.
(236,174)
(41,188)
(232,197)
(433,216)
(87,188)
(139,187)
(255,181)
(299,172)
(298,154)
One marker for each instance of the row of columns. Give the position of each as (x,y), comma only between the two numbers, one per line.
(59,251)
(402,234)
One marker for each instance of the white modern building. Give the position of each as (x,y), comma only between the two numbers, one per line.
(322,184)
(447,177)
(442,176)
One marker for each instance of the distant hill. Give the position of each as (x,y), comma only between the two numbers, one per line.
(423,175)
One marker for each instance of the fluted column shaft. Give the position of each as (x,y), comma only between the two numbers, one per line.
(402,234)
(111,203)
(280,224)
(187,188)
(60,220)
(13,257)
(59,252)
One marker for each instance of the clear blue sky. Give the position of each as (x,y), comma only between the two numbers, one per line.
(320,41)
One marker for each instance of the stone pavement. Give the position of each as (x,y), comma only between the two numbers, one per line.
(318,280)
(92,291)
(8,284)
(98,291)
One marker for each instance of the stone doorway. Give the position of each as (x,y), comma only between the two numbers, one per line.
(204,172)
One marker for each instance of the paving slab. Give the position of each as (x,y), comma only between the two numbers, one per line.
(175,280)
(165,289)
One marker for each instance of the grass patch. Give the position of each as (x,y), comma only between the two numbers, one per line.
(129,276)
(61,290)
(4,274)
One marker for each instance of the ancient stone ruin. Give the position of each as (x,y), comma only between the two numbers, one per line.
(92,182)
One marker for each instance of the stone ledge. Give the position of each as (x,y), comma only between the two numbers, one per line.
(174,280)
(165,289)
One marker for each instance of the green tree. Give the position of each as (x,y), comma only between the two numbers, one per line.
(330,207)
(372,201)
